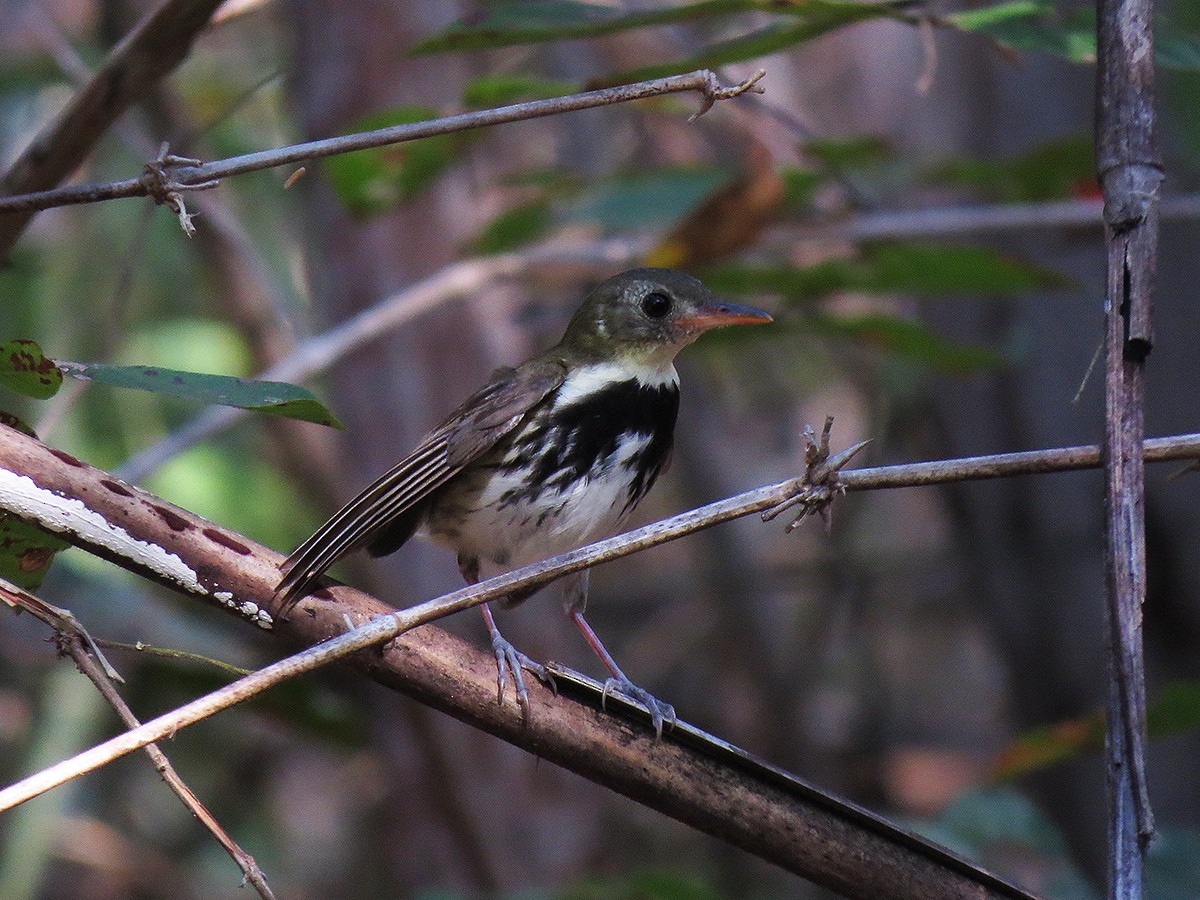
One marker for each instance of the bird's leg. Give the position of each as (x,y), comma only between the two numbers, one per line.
(510,659)
(618,681)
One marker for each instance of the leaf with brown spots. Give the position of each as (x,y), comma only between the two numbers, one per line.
(26,370)
(274,398)
(26,552)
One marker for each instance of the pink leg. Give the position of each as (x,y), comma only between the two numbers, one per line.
(619,682)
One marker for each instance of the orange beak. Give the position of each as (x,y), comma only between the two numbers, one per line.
(720,314)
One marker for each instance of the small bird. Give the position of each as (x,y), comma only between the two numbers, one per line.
(544,458)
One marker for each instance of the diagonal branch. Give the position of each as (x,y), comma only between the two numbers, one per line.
(696,780)
(74,641)
(146,55)
(172,176)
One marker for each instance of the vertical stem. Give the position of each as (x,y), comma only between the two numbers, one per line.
(1129,172)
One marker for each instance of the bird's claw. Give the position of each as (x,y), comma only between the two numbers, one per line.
(510,659)
(659,712)
(816,490)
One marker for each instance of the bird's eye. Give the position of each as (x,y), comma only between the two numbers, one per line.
(656,305)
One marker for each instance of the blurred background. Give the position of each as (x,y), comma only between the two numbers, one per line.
(937,657)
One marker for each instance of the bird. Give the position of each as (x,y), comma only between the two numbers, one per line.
(544,458)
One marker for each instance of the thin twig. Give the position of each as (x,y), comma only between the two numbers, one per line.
(185,176)
(147,54)
(74,641)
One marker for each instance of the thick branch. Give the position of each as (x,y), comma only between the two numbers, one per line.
(147,54)
(749,805)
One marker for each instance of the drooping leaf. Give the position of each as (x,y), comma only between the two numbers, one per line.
(514,228)
(910,340)
(803,22)
(728,220)
(372,181)
(1055,170)
(271,397)
(26,552)
(1176,710)
(26,370)
(894,267)
(514,22)
(514,87)
(654,199)
(1038,25)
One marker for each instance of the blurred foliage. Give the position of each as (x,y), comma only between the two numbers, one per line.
(1176,710)
(998,827)
(372,181)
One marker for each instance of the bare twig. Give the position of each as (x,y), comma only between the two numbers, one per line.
(74,641)
(153,49)
(188,176)
(1128,166)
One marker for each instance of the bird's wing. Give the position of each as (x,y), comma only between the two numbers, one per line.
(467,434)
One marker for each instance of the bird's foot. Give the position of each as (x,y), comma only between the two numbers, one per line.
(659,712)
(510,659)
(817,488)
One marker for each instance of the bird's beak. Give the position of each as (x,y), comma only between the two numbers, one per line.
(720,314)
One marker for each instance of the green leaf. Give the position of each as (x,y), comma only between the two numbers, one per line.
(933,270)
(1176,710)
(1038,25)
(1051,171)
(656,199)
(911,340)
(372,181)
(501,90)
(514,228)
(516,22)
(806,21)
(26,552)
(26,370)
(271,397)
(894,267)
(868,151)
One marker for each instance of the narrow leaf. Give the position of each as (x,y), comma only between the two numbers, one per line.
(654,199)
(516,22)
(26,370)
(501,90)
(372,181)
(271,397)
(911,340)
(805,22)
(1038,25)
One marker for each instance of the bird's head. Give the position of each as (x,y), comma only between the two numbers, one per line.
(648,316)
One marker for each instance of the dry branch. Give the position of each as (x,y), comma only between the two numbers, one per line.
(1128,166)
(147,54)
(165,181)
(782,821)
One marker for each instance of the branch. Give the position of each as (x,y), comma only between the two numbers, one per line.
(1128,166)
(696,779)
(74,641)
(164,178)
(147,54)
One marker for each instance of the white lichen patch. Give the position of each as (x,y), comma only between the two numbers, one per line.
(66,515)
